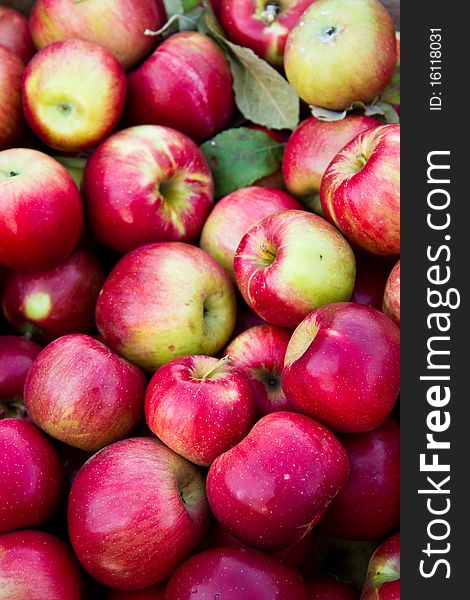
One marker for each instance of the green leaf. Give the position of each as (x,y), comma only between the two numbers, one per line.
(190,5)
(239,157)
(391,94)
(173,7)
(389,114)
(262,95)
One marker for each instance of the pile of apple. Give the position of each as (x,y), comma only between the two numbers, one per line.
(199,335)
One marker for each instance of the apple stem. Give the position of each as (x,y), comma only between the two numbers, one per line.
(165,27)
(221,363)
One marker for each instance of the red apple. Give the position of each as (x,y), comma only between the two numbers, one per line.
(55,302)
(287,460)
(16,357)
(200,407)
(31,476)
(166,300)
(73,94)
(360,190)
(11,111)
(342,367)
(391,297)
(136,510)
(14,33)
(37,566)
(235,214)
(261,26)
(310,149)
(291,262)
(147,184)
(340,52)
(81,393)
(259,353)
(186,84)
(383,576)
(154,592)
(368,505)
(118,25)
(371,276)
(42,214)
(235,574)
(329,588)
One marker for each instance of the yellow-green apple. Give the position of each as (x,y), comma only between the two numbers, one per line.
(342,367)
(259,353)
(262,25)
(291,262)
(42,213)
(200,407)
(166,300)
(11,111)
(118,25)
(368,505)
(147,184)
(31,476)
(383,575)
(57,301)
(14,33)
(136,510)
(233,216)
(371,275)
(360,190)
(327,587)
(391,298)
(153,592)
(235,574)
(310,149)
(16,357)
(73,94)
(36,565)
(287,460)
(81,393)
(186,84)
(341,52)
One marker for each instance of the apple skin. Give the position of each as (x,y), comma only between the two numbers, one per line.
(31,475)
(38,566)
(55,302)
(16,357)
(287,460)
(66,110)
(391,298)
(368,505)
(147,184)
(186,84)
(42,213)
(83,394)
(290,263)
(311,148)
(199,407)
(351,52)
(154,592)
(118,25)
(11,112)
(249,23)
(136,510)
(360,190)
(14,33)
(235,573)
(383,575)
(329,588)
(259,353)
(371,275)
(166,300)
(342,367)
(235,214)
